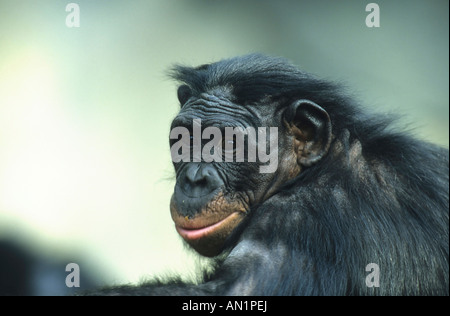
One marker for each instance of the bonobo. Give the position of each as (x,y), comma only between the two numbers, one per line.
(346,191)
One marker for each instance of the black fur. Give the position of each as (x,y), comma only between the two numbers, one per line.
(379,196)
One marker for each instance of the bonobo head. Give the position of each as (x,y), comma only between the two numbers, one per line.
(245,128)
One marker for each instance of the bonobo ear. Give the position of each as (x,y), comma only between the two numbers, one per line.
(184,93)
(311,127)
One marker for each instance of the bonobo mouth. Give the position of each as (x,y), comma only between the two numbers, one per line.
(194,229)
(209,228)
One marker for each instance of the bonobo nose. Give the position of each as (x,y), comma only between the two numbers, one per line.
(199,179)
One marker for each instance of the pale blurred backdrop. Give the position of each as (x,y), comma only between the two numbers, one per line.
(85,168)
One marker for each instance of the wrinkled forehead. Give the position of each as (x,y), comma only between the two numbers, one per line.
(216,108)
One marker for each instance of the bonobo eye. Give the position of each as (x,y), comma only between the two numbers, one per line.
(229,146)
(184,93)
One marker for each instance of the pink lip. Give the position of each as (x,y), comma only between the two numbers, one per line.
(197,233)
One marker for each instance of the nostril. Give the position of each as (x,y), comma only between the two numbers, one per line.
(192,174)
(206,172)
(200,175)
(199,180)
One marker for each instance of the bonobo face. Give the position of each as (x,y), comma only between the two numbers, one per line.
(220,175)
(233,146)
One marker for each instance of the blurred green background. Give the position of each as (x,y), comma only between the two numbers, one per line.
(85,169)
